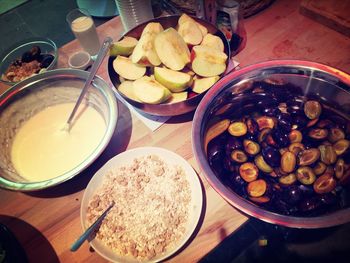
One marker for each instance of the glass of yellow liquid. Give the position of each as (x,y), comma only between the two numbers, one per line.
(83,27)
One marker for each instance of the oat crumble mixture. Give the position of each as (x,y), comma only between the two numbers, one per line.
(16,72)
(151,208)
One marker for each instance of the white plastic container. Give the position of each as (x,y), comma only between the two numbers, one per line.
(80,60)
(134,12)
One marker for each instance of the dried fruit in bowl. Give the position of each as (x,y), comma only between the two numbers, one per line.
(30,63)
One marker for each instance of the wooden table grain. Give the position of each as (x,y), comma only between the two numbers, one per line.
(47,222)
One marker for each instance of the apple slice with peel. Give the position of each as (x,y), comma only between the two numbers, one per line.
(190,32)
(189,72)
(150,91)
(203,29)
(206,68)
(126,69)
(123,47)
(172,49)
(204,51)
(127,89)
(213,41)
(184,18)
(203,84)
(208,62)
(175,81)
(153,28)
(121,79)
(177,97)
(144,52)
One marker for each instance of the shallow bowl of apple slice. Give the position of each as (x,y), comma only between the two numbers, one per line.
(165,66)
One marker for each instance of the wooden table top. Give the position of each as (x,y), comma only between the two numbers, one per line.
(48,222)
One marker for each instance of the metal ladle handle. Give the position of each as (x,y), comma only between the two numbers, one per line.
(100,56)
(90,230)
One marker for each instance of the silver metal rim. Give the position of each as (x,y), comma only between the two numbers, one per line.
(336,218)
(113,113)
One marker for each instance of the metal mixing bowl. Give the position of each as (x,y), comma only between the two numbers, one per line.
(171,109)
(323,82)
(30,96)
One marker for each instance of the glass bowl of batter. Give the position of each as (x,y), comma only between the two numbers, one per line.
(37,150)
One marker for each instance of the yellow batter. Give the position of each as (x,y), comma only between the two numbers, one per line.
(42,149)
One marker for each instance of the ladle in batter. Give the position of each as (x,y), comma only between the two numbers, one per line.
(100,56)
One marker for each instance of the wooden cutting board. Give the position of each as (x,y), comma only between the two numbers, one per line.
(332,13)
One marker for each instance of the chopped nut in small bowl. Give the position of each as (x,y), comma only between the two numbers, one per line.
(27,58)
(158,202)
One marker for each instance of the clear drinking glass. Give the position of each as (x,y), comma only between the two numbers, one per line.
(134,12)
(83,27)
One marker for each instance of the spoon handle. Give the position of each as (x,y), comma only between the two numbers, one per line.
(88,231)
(100,56)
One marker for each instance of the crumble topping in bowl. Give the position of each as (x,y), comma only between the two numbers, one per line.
(30,63)
(150,215)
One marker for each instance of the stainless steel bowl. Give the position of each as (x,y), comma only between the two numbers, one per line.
(30,96)
(164,109)
(324,82)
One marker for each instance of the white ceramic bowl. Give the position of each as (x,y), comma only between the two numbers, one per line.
(127,157)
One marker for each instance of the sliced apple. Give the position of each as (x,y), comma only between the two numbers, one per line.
(190,32)
(126,69)
(177,97)
(208,62)
(123,47)
(213,41)
(204,68)
(153,28)
(188,71)
(144,52)
(184,18)
(127,89)
(215,55)
(203,84)
(172,49)
(121,79)
(150,91)
(203,29)
(175,81)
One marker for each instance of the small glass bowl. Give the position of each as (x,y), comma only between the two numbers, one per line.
(47,46)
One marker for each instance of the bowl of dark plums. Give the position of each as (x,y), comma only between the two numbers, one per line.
(273,139)
(27,58)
